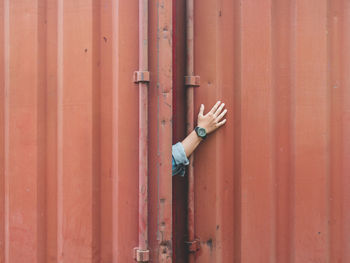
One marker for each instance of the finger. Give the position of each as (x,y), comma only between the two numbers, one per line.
(220,123)
(219,110)
(214,107)
(221,115)
(201,110)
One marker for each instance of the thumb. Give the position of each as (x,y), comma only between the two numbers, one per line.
(201,110)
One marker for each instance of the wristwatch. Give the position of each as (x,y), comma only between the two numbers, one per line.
(201,132)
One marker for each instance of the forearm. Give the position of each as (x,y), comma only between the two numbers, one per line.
(191,142)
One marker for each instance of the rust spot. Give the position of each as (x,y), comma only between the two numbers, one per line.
(210,243)
(162,200)
(217,227)
(165,246)
(85,50)
(105,39)
(165,243)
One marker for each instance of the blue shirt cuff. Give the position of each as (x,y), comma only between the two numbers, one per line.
(179,159)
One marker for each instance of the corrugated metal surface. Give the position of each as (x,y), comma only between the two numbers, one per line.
(69,130)
(272,185)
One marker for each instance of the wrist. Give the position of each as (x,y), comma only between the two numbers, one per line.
(197,137)
(201,132)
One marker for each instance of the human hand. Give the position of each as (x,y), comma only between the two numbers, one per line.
(211,121)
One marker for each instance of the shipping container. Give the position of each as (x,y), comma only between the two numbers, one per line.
(272,185)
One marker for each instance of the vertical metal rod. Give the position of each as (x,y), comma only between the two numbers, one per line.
(190,121)
(143,128)
(142,253)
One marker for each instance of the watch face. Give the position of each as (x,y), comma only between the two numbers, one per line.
(201,132)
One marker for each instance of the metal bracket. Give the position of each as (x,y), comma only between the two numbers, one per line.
(193,81)
(141,76)
(193,246)
(141,255)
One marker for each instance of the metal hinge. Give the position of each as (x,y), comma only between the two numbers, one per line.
(193,246)
(141,255)
(193,81)
(141,76)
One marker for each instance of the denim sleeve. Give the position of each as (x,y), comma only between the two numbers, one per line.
(179,159)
